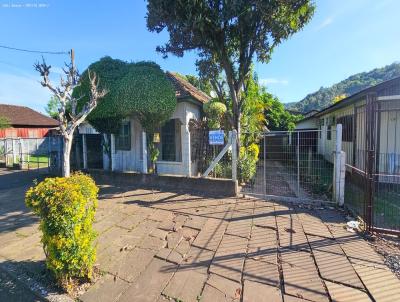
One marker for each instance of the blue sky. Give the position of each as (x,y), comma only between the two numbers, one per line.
(343,38)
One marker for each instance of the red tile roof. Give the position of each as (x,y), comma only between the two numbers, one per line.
(24,116)
(184,89)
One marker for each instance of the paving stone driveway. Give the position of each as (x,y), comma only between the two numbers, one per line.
(160,246)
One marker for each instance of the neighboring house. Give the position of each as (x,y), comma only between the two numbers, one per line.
(371,116)
(25,122)
(308,122)
(128,148)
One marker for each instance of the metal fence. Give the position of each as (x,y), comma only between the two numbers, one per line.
(372,189)
(41,154)
(291,166)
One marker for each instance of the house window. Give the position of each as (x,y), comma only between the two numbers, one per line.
(347,127)
(123,139)
(170,144)
(329,133)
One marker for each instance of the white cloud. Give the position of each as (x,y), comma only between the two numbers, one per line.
(326,22)
(268,81)
(23,90)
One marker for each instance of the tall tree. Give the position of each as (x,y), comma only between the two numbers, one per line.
(228,34)
(69,116)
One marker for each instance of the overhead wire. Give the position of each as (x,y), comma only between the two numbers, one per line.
(36,51)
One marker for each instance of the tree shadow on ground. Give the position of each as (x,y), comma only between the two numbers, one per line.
(32,277)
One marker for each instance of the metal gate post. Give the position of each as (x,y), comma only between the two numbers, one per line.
(370,158)
(14,152)
(234,155)
(298,163)
(337,166)
(265,170)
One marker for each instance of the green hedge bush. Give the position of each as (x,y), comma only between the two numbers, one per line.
(66,207)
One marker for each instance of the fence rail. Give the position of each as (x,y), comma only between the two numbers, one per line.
(42,154)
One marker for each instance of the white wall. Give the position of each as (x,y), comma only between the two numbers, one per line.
(131,160)
(326,147)
(184,112)
(311,123)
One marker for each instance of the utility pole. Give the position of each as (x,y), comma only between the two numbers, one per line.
(72,53)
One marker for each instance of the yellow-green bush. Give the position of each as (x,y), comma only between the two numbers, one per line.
(66,207)
(247,165)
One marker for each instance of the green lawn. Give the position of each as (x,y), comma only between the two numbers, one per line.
(35,160)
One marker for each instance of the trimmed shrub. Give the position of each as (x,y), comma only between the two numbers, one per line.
(248,158)
(66,207)
(215,112)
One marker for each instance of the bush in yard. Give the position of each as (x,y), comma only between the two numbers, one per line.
(248,157)
(215,112)
(66,207)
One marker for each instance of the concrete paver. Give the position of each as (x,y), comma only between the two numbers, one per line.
(341,293)
(301,278)
(332,263)
(157,246)
(254,291)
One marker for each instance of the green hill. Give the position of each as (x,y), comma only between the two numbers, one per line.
(355,83)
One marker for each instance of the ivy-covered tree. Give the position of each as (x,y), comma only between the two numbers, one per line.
(134,89)
(228,34)
(106,117)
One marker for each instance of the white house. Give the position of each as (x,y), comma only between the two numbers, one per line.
(370,120)
(128,148)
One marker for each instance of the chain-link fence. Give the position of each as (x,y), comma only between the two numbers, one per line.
(293,165)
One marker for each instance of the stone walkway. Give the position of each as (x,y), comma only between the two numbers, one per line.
(166,246)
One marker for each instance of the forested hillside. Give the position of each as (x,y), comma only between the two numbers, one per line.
(355,83)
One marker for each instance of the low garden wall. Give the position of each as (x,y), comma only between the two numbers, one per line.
(199,186)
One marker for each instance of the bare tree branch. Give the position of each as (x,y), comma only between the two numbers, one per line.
(69,118)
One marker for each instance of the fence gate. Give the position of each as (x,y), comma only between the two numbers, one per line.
(372,188)
(292,166)
(39,154)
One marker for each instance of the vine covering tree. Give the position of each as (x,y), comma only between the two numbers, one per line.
(138,89)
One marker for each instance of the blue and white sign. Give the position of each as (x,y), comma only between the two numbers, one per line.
(216,137)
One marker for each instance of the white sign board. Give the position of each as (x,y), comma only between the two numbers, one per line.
(216,137)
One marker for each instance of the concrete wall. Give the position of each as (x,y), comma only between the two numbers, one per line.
(196,186)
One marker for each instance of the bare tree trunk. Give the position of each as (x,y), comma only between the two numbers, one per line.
(70,119)
(239,132)
(66,166)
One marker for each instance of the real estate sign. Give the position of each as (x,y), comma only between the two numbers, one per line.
(216,137)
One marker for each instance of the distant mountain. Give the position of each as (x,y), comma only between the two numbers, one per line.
(355,83)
